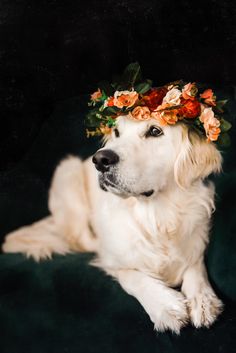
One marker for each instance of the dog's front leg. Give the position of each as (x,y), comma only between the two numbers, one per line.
(203,304)
(165,306)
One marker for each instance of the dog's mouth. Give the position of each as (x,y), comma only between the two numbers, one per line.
(147,193)
(108,182)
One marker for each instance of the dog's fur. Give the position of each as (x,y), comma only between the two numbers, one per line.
(149,244)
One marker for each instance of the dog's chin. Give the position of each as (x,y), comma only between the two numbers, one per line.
(109,183)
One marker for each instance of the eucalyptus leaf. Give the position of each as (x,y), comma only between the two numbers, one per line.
(224,140)
(220,104)
(143,87)
(225,125)
(131,75)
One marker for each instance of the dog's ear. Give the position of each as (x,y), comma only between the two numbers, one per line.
(196,160)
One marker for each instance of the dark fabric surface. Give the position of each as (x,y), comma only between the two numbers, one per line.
(65,305)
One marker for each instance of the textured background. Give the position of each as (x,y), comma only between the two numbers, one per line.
(51,50)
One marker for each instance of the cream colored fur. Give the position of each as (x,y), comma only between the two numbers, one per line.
(149,244)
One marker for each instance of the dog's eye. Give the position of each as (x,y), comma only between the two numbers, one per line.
(117,134)
(154,131)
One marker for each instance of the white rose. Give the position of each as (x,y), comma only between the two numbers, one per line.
(172,97)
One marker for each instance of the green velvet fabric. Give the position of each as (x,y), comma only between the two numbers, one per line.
(65,305)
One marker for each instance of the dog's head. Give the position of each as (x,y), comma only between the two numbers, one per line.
(143,158)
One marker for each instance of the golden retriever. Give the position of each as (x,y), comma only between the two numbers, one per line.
(145,210)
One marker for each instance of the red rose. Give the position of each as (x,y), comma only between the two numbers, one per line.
(190,109)
(154,97)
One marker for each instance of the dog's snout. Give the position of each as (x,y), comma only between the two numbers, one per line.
(104,159)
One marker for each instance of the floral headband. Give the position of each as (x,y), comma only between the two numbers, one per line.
(169,104)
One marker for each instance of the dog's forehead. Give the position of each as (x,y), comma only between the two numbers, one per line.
(127,124)
(131,127)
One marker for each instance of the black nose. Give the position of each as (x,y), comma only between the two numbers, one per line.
(104,159)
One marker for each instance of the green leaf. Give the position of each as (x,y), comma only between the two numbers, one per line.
(224,140)
(110,111)
(225,125)
(93,118)
(131,74)
(143,87)
(220,105)
(111,122)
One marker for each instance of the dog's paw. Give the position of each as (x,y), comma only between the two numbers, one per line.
(204,308)
(172,314)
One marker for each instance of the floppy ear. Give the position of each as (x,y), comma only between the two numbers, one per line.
(196,160)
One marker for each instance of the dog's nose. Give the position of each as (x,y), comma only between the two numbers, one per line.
(104,159)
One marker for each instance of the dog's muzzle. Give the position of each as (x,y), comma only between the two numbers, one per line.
(104,159)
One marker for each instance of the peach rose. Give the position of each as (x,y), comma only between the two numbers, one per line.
(208,97)
(172,97)
(165,117)
(169,116)
(141,113)
(157,116)
(125,98)
(211,124)
(189,91)
(163,106)
(96,95)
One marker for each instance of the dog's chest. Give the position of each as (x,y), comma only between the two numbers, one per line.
(133,237)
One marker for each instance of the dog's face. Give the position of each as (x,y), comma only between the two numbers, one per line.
(142,158)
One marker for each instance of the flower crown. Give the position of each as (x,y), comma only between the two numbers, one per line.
(169,104)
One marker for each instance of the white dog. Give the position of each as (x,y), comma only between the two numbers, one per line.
(145,212)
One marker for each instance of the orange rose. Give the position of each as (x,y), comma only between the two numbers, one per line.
(208,97)
(189,91)
(211,124)
(154,97)
(155,115)
(141,113)
(109,102)
(125,98)
(213,133)
(96,95)
(190,109)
